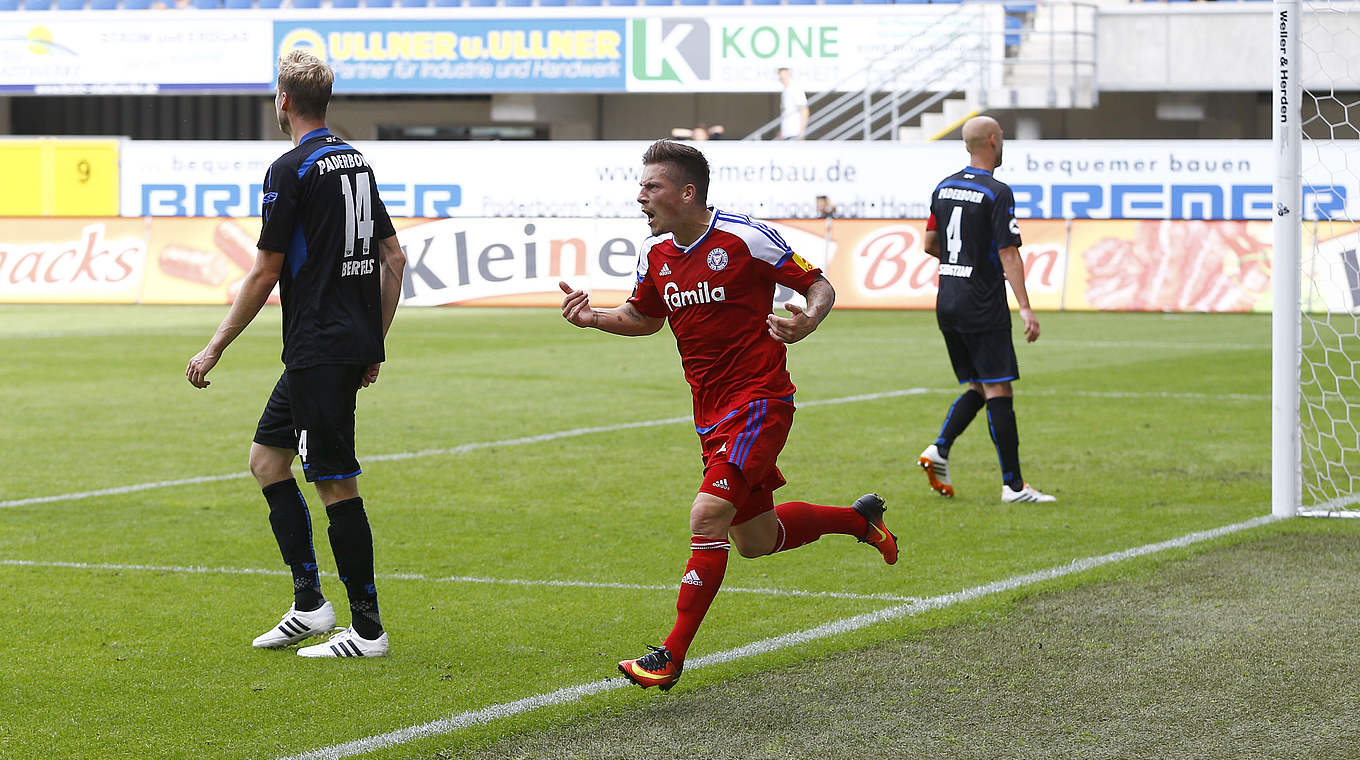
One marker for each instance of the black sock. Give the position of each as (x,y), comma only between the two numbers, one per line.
(1001,421)
(352,543)
(292,526)
(961,412)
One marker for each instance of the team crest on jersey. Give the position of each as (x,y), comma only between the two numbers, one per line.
(802,263)
(717,259)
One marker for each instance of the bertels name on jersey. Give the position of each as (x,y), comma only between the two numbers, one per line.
(702,293)
(359,266)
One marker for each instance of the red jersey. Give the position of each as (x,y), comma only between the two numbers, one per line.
(716,294)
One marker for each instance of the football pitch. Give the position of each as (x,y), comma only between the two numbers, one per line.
(528,485)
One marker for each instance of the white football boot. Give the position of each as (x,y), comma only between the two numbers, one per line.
(348,643)
(937,470)
(297,626)
(1028,493)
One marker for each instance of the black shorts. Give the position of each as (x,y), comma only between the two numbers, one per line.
(311,411)
(982,357)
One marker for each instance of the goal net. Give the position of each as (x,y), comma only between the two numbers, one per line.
(1316,425)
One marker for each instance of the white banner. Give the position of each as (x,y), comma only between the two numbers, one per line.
(937,48)
(135,52)
(1080,179)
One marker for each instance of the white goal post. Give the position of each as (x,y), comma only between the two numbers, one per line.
(1315,374)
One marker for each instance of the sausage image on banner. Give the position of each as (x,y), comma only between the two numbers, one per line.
(202,267)
(236,244)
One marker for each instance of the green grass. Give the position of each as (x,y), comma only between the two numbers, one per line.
(1147,427)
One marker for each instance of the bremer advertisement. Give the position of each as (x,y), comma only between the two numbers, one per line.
(1053,179)
(1122,265)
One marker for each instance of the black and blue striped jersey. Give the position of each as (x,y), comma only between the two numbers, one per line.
(322,211)
(974,216)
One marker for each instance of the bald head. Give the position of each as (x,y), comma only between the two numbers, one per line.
(982,138)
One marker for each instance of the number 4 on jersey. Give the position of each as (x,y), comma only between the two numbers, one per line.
(953,242)
(358,212)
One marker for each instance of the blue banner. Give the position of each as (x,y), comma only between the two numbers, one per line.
(511,55)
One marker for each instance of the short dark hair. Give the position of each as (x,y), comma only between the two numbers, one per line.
(691,168)
(307,80)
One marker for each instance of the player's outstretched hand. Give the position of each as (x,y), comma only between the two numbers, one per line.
(576,306)
(1031,325)
(791,329)
(198,368)
(370,375)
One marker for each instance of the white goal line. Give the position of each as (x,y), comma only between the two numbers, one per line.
(577,432)
(471,579)
(485,715)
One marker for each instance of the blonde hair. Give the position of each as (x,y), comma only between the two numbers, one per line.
(307,80)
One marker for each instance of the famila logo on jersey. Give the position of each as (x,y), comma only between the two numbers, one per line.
(702,293)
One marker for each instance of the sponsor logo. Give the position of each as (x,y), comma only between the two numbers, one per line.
(40,42)
(717,259)
(307,39)
(677,299)
(1170,201)
(692,578)
(720,450)
(722,483)
(665,270)
(211,199)
(670,49)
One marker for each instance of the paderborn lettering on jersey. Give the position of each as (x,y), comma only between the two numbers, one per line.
(960,194)
(339,161)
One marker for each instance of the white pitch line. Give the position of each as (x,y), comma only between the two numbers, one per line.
(523,441)
(845,625)
(577,432)
(472,579)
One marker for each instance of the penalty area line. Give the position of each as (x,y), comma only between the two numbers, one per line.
(471,579)
(486,715)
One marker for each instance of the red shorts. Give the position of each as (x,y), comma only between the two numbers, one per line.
(739,456)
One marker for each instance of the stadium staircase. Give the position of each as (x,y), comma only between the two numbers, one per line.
(1041,56)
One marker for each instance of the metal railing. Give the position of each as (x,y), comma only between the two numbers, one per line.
(1041,68)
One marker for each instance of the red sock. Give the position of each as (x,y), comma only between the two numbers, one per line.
(802,523)
(703,576)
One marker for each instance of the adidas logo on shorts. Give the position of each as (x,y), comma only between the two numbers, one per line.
(722,483)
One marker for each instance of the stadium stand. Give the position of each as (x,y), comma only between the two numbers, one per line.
(1018,9)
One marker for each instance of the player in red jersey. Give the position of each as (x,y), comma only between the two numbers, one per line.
(712,275)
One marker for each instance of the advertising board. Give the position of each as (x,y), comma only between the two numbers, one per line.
(1052,179)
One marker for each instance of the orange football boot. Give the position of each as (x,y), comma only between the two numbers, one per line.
(871,509)
(656,668)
